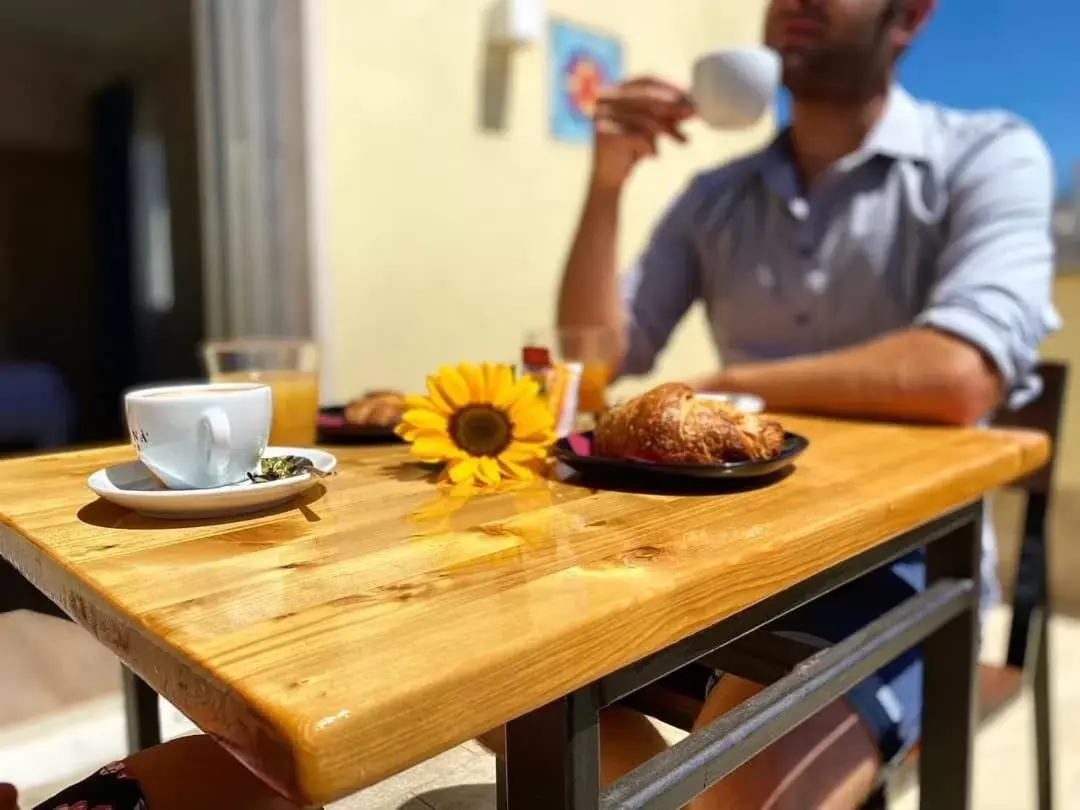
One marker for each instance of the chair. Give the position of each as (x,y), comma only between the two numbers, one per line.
(36,414)
(35,407)
(764,658)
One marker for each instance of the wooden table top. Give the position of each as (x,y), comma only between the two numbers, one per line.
(380,621)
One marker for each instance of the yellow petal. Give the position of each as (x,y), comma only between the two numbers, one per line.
(526,390)
(435,446)
(474,379)
(453,385)
(490,373)
(507,390)
(425,419)
(531,421)
(522,451)
(489,471)
(407,432)
(414,402)
(516,471)
(463,470)
(438,398)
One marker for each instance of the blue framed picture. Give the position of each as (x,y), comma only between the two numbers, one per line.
(581,64)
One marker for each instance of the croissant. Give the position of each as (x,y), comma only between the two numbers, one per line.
(376,408)
(670,425)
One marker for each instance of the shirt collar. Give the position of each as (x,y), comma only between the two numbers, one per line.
(899,133)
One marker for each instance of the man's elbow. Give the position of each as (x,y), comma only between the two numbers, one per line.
(972,396)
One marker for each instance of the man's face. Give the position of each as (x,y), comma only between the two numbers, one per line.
(840,50)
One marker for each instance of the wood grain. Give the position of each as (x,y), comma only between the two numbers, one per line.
(380,621)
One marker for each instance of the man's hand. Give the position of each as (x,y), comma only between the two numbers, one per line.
(629,119)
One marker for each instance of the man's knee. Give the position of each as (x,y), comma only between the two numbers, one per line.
(829,762)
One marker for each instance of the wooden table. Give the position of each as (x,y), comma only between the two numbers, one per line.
(380,621)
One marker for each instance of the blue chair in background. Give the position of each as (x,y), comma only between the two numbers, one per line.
(36,408)
(37,414)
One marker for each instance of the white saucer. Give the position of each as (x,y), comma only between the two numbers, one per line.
(131,485)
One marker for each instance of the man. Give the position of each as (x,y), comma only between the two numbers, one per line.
(882,258)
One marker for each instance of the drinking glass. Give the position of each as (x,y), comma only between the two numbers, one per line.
(289,367)
(591,346)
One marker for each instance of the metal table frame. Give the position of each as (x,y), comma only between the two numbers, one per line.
(552,754)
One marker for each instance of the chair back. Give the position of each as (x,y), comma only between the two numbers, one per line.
(1031,597)
(1042,414)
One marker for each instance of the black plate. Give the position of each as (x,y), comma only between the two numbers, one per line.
(334,429)
(576,451)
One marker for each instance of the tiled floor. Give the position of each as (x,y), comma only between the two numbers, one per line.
(61,713)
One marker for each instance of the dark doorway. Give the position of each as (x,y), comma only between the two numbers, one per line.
(100,222)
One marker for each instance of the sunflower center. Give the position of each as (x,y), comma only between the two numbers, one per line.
(481,430)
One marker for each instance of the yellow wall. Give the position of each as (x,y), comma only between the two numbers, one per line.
(445,242)
(1065,345)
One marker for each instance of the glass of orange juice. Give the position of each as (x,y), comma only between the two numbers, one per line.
(289,367)
(591,346)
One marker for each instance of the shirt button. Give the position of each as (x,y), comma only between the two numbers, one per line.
(800,209)
(816,280)
(765,277)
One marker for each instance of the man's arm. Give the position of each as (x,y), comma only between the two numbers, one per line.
(628,122)
(917,374)
(590,293)
(989,310)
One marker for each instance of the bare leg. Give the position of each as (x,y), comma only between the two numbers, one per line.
(194,772)
(165,773)
(828,763)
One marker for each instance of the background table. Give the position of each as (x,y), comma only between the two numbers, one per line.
(380,621)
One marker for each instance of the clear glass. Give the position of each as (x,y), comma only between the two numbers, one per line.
(593,347)
(289,367)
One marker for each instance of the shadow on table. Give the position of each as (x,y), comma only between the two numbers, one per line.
(459,797)
(653,483)
(110,516)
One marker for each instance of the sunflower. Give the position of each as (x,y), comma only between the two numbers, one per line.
(483,423)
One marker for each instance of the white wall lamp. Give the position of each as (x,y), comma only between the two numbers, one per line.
(517,23)
(512,25)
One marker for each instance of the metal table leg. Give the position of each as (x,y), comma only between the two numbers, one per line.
(141,710)
(553,755)
(949,678)
(552,760)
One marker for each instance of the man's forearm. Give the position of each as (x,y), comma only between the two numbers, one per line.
(589,294)
(911,375)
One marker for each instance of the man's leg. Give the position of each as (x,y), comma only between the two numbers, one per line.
(830,762)
(186,773)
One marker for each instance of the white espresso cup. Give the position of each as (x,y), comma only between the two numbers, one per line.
(200,436)
(734,88)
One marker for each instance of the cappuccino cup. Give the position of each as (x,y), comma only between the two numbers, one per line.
(200,436)
(734,88)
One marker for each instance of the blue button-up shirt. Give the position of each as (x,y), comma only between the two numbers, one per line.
(942,218)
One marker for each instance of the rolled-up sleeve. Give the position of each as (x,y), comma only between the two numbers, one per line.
(662,284)
(994,278)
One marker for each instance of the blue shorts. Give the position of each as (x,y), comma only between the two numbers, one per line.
(889,701)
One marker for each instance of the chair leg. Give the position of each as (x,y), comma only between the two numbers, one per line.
(141,710)
(1040,681)
(500,783)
